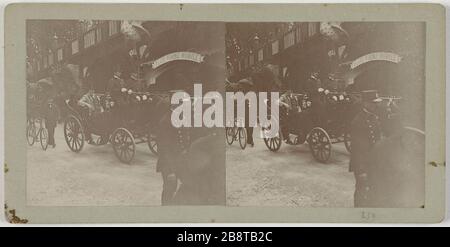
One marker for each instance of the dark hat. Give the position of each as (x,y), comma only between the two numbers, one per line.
(370,96)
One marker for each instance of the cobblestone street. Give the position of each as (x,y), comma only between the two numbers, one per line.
(289,177)
(255,177)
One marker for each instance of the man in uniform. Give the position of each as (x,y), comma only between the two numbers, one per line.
(365,132)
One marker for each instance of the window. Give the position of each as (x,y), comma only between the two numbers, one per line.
(260,55)
(74,47)
(251,59)
(289,40)
(312,28)
(89,39)
(38,64)
(298,35)
(113,27)
(60,54)
(99,34)
(275,47)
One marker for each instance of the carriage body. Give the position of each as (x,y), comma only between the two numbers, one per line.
(324,119)
(124,121)
(333,115)
(321,119)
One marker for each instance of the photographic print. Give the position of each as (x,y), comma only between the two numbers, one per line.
(351,114)
(212,113)
(99,127)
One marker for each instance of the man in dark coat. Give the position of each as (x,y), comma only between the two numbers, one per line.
(365,132)
(115,85)
(134,83)
(168,152)
(51,118)
(191,162)
(120,111)
(202,171)
(312,84)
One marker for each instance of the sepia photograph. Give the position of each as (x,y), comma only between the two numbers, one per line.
(202,113)
(99,127)
(351,114)
(100,111)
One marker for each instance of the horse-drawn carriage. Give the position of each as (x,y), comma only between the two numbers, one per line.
(124,124)
(321,119)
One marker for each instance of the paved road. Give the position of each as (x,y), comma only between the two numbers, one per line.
(289,177)
(255,176)
(92,177)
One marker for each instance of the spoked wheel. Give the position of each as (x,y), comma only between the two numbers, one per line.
(242,132)
(272,143)
(43,136)
(123,145)
(73,133)
(230,135)
(320,144)
(31,133)
(348,141)
(152,144)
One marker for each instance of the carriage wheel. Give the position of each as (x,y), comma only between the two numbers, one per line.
(273,143)
(242,137)
(229,134)
(73,133)
(31,133)
(320,144)
(123,145)
(152,144)
(348,141)
(43,136)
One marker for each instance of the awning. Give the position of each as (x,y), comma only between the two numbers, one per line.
(351,69)
(177,56)
(376,56)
